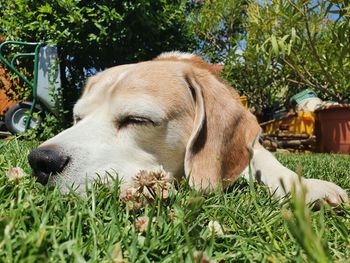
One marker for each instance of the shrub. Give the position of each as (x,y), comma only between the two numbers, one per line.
(94,35)
(274,49)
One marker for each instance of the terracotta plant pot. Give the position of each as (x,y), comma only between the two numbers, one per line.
(334,128)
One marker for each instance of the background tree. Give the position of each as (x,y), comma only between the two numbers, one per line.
(94,35)
(219,28)
(277,48)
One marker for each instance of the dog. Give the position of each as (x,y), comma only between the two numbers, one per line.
(172,113)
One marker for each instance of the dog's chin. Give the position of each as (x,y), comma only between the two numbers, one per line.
(79,182)
(67,186)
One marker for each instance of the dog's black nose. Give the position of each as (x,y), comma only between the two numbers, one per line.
(46,161)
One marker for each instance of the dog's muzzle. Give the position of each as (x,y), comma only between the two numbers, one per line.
(47,161)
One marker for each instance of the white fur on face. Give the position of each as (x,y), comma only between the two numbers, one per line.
(97,145)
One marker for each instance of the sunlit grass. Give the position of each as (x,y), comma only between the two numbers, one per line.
(38,224)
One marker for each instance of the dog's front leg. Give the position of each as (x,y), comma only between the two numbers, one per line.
(265,168)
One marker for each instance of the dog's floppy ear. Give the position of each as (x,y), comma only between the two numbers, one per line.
(219,147)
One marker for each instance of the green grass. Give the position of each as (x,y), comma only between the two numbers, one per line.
(38,224)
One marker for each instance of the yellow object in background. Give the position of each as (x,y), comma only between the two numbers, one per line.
(301,122)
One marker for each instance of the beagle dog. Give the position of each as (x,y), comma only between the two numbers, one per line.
(172,112)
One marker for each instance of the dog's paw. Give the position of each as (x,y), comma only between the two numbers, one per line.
(324,191)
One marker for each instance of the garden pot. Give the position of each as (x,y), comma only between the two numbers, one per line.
(333,127)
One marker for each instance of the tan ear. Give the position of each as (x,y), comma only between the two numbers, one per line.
(219,147)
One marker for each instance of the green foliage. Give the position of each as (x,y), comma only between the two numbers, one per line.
(39,224)
(53,121)
(274,49)
(49,126)
(218,27)
(308,40)
(94,35)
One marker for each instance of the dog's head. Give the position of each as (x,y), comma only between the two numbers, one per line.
(172,112)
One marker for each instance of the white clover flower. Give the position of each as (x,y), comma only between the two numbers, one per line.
(215,228)
(15,173)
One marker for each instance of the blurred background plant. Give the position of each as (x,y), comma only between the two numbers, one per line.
(94,35)
(274,49)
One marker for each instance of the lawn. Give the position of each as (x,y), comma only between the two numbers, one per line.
(38,224)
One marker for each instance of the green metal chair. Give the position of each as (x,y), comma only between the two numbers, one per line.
(45,83)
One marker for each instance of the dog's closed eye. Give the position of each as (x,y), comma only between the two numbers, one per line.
(136,120)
